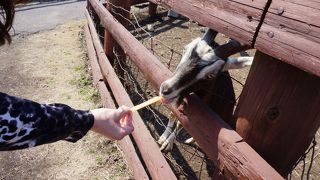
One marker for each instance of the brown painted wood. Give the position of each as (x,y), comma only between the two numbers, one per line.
(293,34)
(223,145)
(110,45)
(234,157)
(152,9)
(292,29)
(126,145)
(153,158)
(217,175)
(307,3)
(95,69)
(134,2)
(236,19)
(278,111)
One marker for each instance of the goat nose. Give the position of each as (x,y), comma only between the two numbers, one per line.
(165,89)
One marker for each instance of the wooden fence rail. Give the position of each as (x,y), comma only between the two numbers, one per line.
(155,162)
(223,145)
(126,145)
(291,33)
(287,30)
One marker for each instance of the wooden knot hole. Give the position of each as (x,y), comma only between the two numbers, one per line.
(273,113)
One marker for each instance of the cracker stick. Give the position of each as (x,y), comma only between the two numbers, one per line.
(147,103)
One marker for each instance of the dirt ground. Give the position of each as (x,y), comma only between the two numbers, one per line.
(48,67)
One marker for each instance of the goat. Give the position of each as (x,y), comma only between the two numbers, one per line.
(202,59)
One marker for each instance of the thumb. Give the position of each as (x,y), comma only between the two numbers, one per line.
(122,111)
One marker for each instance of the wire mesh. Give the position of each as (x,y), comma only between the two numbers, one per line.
(187,161)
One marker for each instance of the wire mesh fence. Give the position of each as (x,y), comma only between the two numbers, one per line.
(165,37)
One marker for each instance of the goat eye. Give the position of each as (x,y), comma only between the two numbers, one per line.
(210,76)
(210,50)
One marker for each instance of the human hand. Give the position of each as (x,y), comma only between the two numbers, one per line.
(113,123)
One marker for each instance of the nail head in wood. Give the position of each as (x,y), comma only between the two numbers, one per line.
(270,34)
(280,11)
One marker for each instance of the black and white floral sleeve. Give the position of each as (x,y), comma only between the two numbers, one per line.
(25,123)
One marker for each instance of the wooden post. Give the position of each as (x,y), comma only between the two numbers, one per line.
(122,16)
(217,175)
(152,9)
(278,112)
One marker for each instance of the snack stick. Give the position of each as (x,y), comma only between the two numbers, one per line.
(147,103)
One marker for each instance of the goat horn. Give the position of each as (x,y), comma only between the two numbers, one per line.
(231,47)
(209,35)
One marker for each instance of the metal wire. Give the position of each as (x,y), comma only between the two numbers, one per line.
(299,169)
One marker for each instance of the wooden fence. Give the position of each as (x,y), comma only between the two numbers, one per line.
(278,111)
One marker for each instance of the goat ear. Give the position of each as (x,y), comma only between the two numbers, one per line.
(209,36)
(237,63)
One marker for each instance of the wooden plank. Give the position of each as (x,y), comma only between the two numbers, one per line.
(153,158)
(224,146)
(307,3)
(293,32)
(236,19)
(217,175)
(95,69)
(298,12)
(278,111)
(126,145)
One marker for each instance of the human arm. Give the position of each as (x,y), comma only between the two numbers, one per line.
(25,123)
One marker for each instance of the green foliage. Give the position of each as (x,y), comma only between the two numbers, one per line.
(84,83)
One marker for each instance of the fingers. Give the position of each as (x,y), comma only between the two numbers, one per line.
(126,120)
(122,111)
(123,121)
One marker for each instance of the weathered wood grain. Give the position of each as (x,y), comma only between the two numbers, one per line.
(236,19)
(308,3)
(291,33)
(278,111)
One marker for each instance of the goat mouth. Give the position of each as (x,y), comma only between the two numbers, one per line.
(167,100)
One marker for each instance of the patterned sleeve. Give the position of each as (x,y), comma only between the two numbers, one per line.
(25,123)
